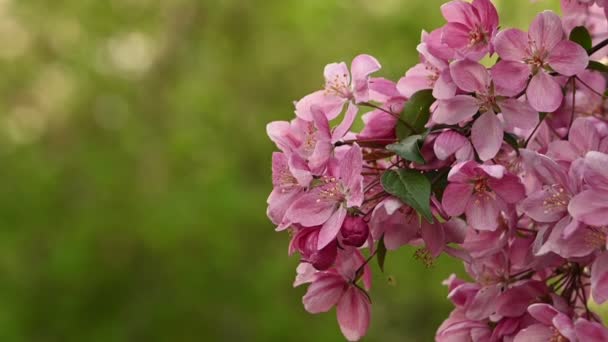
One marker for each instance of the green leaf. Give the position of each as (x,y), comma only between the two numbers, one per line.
(411,187)
(415,114)
(381,253)
(597,66)
(511,139)
(581,36)
(409,148)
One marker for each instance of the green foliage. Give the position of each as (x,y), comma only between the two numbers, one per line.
(581,36)
(415,114)
(409,148)
(410,186)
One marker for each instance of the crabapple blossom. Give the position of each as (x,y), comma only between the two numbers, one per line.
(503,166)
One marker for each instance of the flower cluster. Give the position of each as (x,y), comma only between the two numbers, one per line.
(503,165)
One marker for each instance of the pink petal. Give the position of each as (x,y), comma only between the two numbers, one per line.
(351,166)
(510,78)
(346,124)
(470,76)
(309,212)
(534,333)
(484,303)
(546,31)
(599,278)
(456,197)
(447,143)
(486,12)
(324,292)
(584,136)
(590,331)
(511,45)
(434,238)
(482,212)
(279,133)
(331,105)
(590,207)
(444,88)
(353,311)
(458,12)
(337,71)
(278,204)
(455,35)
(568,58)
(455,110)
(332,226)
(362,66)
(543,313)
(518,114)
(509,188)
(534,206)
(415,79)
(544,93)
(596,170)
(486,135)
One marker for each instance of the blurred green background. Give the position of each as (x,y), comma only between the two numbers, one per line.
(135,166)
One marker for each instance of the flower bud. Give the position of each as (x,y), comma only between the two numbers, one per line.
(354,231)
(305,242)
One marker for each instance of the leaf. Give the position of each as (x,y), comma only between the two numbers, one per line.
(409,148)
(411,187)
(597,66)
(581,36)
(381,253)
(415,114)
(512,141)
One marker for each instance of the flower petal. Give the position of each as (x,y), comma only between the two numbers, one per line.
(353,311)
(510,78)
(486,135)
(332,226)
(456,197)
(455,110)
(599,278)
(324,292)
(470,76)
(568,58)
(482,212)
(590,207)
(544,93)
(511,45)
(518,114)
(546,31)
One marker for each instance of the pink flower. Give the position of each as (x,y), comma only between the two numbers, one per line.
(339,88)
(544,48)
(431,73)
(326,204)
(305,242)
(591,205)
(290,178)
(337,287)
(480,191)
(590,331)
(313,141)
(450,143)
(552,325)
(584,136)
(470,27)
(487,131)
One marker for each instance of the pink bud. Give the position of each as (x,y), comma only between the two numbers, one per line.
(354,231)
(306,243)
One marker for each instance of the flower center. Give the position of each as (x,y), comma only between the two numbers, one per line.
(310,139)
(338,86)
(557,200)
(433,74)
(481,186)
(557,337)
(331,190)
(595,237)
(477,36)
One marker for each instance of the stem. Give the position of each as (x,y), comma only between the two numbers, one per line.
(534,131)
(598,47)
(398,117)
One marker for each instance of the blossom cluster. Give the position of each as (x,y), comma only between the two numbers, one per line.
(493,150)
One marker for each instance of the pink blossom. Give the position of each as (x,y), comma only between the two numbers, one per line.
(326,204)
(543,48)
(552,324)
(470,27)
(337,287)
(487,131)
(340,88)
(290,178)
(591,206)
(480,191)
